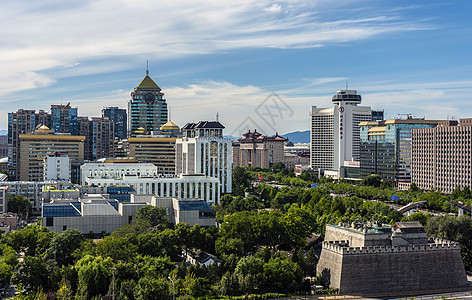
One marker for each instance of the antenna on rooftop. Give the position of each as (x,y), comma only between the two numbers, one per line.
(217,117)
(147,67)
(347,84)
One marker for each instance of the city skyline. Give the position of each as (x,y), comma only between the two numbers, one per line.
(400,57)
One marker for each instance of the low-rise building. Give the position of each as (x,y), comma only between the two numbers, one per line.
(116,169)
(33,190)
(184,186)
(100,214)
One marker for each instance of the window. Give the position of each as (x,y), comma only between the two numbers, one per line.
(64,228)
(49,221)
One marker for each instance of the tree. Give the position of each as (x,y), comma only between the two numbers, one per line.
(63,245)
(155,216)
(117,248)
(372,180)
(282,274)
(19,205)
(149,288)
(249,273)
(94,275)
(28,239)
(32,274)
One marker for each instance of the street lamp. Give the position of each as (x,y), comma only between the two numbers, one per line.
(173,290)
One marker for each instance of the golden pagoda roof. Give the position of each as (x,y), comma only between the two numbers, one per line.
(170,126)
(140,130)
(43,129)
(147,83)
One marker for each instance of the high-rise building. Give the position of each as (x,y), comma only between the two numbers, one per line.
(36,146)
(257,150)
(442,157)
(378,115)
(386,148)
(3,146)
(204,150)
(64,119)
(84,128)
(103,131)
(99,137)
(335,136)
(119,117)
(158,148)
(21,122)
(147,108)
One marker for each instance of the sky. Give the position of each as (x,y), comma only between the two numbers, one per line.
(259,64)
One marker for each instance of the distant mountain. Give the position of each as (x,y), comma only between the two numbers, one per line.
(3,132)
(231,137)
(298,136)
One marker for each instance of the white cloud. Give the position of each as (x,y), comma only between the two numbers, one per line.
(53,34)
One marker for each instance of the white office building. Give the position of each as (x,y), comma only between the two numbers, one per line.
(57,167)
(33,190)
(183,186)
(335,134)
(115,170)
(204,150)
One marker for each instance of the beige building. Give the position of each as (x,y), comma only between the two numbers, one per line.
(156,149)
(35,147)
(258,150)
(442,157)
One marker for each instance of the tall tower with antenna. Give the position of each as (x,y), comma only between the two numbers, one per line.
(147,110)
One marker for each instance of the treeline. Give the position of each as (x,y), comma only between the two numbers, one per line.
(261,243)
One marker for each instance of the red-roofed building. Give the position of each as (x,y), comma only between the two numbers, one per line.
(257,150)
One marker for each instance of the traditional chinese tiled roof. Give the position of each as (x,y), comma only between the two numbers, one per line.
(257,137)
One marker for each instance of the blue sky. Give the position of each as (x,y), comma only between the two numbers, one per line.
(213,56)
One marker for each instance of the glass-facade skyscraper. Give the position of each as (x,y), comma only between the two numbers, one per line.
(119,117)
(147,108)
(64,119)
(386,148)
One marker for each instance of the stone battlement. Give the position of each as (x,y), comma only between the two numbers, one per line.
(342,247)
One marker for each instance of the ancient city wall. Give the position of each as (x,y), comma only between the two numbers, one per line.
(393,269)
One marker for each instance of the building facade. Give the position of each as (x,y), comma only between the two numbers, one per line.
(204,150)
(185,186)
(157,148)
(57,167)
(3,199)
(42,143)
(147,108)
(386,148)
(335,135)
(21,122)
(257,150)
(120,120)
(101,214)
(99,137)
(116,170)
(3,146)
(64,119)
(442,157)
